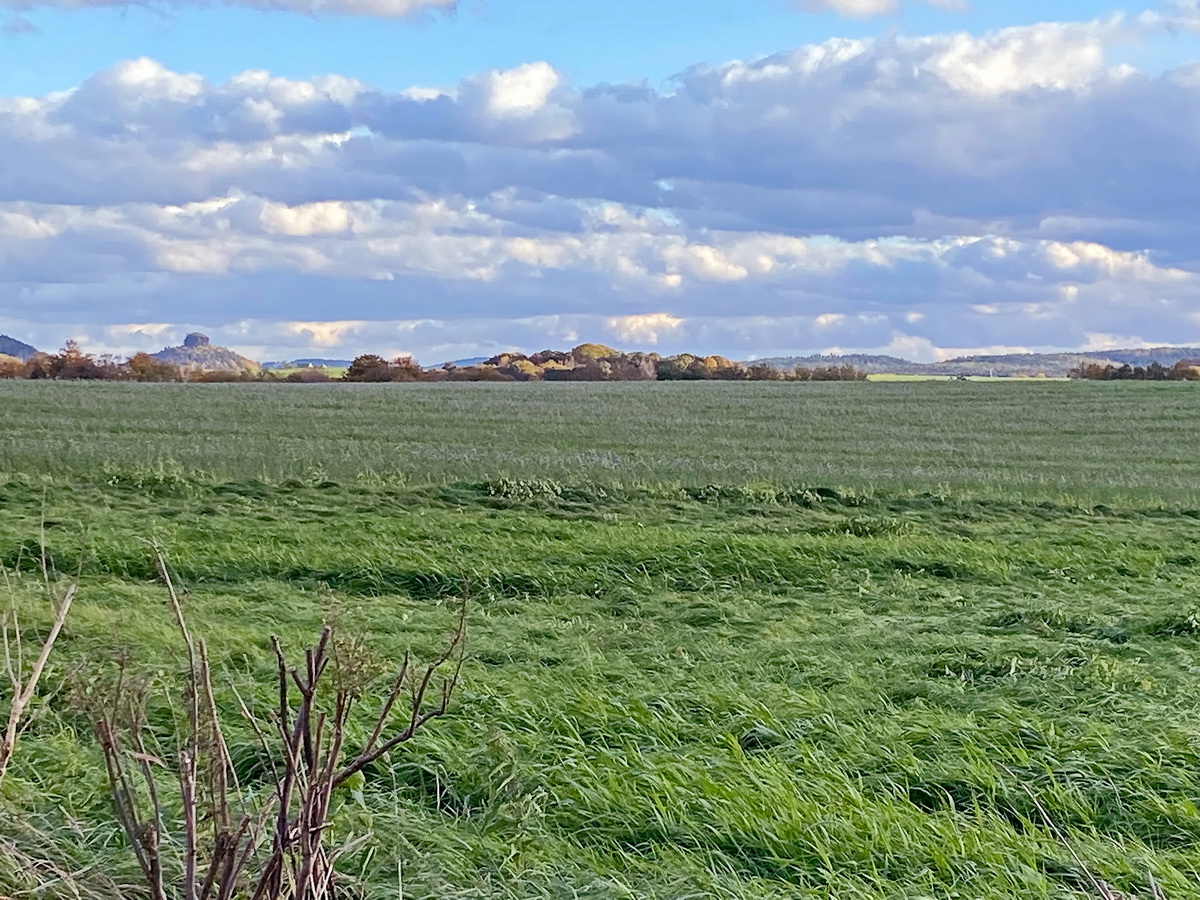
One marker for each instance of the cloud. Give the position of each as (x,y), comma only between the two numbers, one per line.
(646,329)
(864,9)
(17,25)
(847,137)
(1011,189)
(384,9)
(452,274)
(518,93)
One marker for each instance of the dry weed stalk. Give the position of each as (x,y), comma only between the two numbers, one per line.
(273,846)
(46,876)
(23,684)
(1104,890)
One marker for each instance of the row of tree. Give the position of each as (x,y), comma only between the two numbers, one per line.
(1184,370)
(587,362)
(594,362)
(72,364)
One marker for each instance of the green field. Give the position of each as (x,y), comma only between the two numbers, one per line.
(331,371)
(893,377)
(936,640)
(1097,441)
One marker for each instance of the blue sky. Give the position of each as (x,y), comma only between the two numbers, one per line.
(618,40)
(771,177)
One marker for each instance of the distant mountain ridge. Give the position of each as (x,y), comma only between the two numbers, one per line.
(303,363)
(1052,365)
(12,347)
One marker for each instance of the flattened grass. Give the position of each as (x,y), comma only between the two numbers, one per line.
(730,641)
(727,694)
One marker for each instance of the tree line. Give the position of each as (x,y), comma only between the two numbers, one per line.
(593,362)
(587,362)
(72,364)
(1184,370)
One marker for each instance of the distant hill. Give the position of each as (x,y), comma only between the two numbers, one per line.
(12,347)
(1166,356)
(304,363)
(1051,365)
(867,362)
(199,353)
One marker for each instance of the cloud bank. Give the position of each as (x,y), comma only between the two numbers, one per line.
(933,193)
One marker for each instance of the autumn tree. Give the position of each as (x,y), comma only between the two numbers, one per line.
(144,367)
(368,367)
(72,364)
(11,367)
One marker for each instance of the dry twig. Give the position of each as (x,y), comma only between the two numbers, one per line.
(24,684)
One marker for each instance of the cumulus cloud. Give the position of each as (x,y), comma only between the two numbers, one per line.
(1012,189)
(450,274)
(850,138)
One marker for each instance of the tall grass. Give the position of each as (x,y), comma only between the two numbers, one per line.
(733,693)
(730,641)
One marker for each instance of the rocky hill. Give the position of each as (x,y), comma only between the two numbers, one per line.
(1052,365)
(12,347)
(198,352)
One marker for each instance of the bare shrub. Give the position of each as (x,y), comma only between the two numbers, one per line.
(270,844)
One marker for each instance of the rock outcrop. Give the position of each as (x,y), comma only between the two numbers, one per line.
(199,353)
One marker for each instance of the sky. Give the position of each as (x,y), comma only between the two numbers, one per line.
(457,178)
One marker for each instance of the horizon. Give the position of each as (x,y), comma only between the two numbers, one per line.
(447,180)
(834,354)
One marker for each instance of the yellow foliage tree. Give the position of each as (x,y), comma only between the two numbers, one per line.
(592,352)
(526,370)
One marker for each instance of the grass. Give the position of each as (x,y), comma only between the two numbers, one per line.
(1052,440)
(331,371)
(748,641)
(895,377)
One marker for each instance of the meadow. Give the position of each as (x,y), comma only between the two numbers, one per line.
(1039,440)
(851,641)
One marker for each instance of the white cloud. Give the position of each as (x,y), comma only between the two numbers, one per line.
(1054,56)
(453,269)
(327,334)
(646,329)
(519,93)
(329,217)
(920,349)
